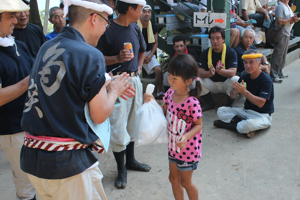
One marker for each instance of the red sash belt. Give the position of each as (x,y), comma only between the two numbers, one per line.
(57,144)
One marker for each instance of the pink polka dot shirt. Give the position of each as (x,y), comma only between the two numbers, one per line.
(180,118)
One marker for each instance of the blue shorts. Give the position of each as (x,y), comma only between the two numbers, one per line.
(183,165)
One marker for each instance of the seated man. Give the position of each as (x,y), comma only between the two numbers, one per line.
(258,89)
(246,44)
(31,34)
(180,47)
(217,68)
(239,23)
(248,11)
(150,33)
(236,23)
(58,20)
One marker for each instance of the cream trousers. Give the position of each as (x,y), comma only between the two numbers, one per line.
(11,146)
(84,186)
(217,87)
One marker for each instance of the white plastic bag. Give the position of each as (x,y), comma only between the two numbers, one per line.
(150,122)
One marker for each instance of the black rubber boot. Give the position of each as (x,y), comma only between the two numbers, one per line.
(229,101)
(121,180)
(209,102)
(131,163)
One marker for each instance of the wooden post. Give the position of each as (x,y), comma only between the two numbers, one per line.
(46,17)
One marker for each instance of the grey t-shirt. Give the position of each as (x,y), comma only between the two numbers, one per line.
(284,12)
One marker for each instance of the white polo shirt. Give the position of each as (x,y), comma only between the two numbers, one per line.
(249,6)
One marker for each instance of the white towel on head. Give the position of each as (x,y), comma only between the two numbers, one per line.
(87,5)
(139,2)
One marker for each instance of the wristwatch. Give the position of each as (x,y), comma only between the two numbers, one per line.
(266,63)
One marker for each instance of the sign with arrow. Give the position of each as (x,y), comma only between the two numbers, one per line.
(209,19)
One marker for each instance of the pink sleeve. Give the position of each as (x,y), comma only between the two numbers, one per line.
(196,110)
(167,94)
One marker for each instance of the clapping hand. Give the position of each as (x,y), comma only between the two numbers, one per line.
(240,88)
(119,84)
(219,66)
(212,70)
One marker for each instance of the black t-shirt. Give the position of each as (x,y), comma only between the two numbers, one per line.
(32,36)
(193,53)
(262,87)
(112,42)
(230,62)
(13,69)
(145,35)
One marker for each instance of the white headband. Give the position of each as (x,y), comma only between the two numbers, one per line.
(139,2)
(147,7)
(87,5)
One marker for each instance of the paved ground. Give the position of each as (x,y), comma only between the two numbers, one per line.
(233,167)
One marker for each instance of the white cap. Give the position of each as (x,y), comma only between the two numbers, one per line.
(13,6)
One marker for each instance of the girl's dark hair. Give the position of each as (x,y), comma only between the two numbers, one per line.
(122,7)
(185,66)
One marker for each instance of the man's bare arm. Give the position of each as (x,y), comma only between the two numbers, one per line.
(245,15)
(141,59)
(202,73)
(12,92)
(240,88)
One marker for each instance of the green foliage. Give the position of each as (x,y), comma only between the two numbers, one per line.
(50,26)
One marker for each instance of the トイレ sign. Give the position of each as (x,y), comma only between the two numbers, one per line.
(209,20)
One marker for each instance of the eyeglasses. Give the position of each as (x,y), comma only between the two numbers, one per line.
(108,22)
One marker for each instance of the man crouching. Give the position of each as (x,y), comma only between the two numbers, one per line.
(258,89)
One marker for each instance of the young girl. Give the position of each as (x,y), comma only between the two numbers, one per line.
(184,115)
